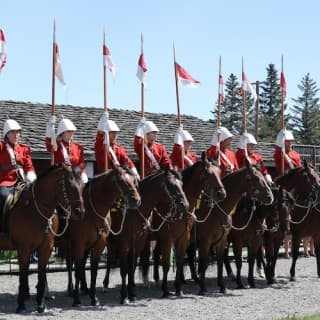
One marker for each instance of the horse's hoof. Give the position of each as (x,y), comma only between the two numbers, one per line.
(76,304)
(42,308)
(167,294)
(223,290)
(179,293)
(252,285)
(240,286)
(95,302)
(202,292)
(21,309)
(124,301)
(132,298)
(292,278)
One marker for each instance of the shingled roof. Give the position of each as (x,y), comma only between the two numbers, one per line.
(34,116)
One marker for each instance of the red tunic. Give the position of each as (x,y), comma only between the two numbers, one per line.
(74,150)
(8,177)
(159,152)
(176,157)
(293,155)
(256,159)
(224,166)
(119,151)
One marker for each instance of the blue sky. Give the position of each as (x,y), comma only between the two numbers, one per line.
(201,30)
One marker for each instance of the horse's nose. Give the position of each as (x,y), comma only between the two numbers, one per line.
(222,194)
(134,203)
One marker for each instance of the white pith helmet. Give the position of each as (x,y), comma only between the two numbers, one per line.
(224,134)
(187,136)
(149,126)
(9,125)
(66,125)
(112,126)
(284,135)
(251,139)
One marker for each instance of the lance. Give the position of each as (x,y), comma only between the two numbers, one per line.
(53,103)
(105,104)
(142,116)
(220,95)
(244,109)
(283,127)
(178,103)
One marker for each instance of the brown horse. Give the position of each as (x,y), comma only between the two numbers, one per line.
(204,177)
(162,190)
(305,219)
(33,224)
(214,220)
(250,223)
(88,236)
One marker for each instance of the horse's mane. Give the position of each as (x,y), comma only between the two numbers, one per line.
(289,173)
(160,172)
(187,173)
(52,168)
(234,173)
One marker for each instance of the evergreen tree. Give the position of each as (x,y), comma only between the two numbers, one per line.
(231,109)
(270,106)
(305,113)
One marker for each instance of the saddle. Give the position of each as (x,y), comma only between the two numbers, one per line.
(10,201)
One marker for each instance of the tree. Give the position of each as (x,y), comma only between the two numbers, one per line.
(270,106)
(231,109)
(305,113)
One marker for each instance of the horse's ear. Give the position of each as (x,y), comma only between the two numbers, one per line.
(203,156)
(305,163)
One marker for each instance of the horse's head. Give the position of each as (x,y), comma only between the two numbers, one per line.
(300,180)
(209,178)
(72,188)
(171,192)
(257,187)
(127,185)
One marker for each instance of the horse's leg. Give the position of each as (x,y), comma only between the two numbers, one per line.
(94,262)
(203,264)
(83,280)
(220,248)
(123,272)
(261,265)
(237,251)
(295,253)
(180,251)
(277,244)
(191,253)
(132,262)
(156,262)
(24,261)
(69,264)
(269,252)
(145,263)
(252,254)
(226,260)
(78,266)
(317,252)
(44,253)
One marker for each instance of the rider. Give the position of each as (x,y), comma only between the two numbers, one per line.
(15,160)
(284,154)
(228,160)
(155,154)
(247,140)
(183,139)
(67,150)
(117,154)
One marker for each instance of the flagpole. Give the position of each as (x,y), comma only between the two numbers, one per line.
(105,103)
(283,127)
(53,103)
(244,111)
(178,103)
(142,116)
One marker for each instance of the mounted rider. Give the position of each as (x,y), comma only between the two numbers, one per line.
(220,146)
(15,160)
(247,142)
(284,155)
(117,154)
(183,139)
(67,151)
(155,154)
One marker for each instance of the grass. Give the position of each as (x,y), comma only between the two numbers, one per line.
(313,317)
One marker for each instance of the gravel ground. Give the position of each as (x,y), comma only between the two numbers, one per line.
(275,302)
